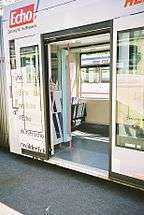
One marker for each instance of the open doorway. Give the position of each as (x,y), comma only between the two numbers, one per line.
(80,99)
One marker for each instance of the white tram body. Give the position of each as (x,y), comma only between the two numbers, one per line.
(37,121)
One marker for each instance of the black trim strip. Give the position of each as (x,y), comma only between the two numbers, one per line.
(34,154)
(92,45)
(78,32)
(137,183)
(93,66)
(46,93)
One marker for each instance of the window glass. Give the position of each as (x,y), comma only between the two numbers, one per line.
(95,82)
(105,75)
(31,88)
(16,78)
(56,53)
(90,75)
(12,54)
(98,58)
(130,89)
(95,74)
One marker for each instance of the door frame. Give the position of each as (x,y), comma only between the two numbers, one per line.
(72,33)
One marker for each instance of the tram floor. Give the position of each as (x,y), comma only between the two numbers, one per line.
(87,149)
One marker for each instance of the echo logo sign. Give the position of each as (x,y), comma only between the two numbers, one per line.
(21,16)
(133,2)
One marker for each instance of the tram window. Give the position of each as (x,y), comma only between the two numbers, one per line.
(95,82)
(12,54)
(15,77)
(56,53)
(95,74)
(30,61)
(105,75)
(130,89)
(99,58)
(29,57)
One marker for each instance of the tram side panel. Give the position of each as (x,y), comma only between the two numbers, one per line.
(3,102)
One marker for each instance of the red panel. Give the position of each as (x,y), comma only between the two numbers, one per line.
(21,16)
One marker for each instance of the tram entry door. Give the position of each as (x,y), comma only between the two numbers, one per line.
(27,130)
(79,84)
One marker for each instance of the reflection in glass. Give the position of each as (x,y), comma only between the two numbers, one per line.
(130,89)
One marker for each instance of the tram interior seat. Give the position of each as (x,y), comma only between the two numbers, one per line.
(78,112)
(90,116)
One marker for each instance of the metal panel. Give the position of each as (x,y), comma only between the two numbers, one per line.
(3,106)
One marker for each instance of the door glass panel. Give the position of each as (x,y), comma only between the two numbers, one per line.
(31,88)
(60,95)
(16,81)
(130,89)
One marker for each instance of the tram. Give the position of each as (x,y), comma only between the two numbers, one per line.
(74,73)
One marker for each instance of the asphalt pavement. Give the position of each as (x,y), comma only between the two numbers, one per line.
(35,188)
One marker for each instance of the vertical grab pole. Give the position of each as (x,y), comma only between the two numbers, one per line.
(69,97)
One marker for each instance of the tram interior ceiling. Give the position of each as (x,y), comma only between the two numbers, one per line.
(80,99)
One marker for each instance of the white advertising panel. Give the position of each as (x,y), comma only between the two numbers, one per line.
(128,97)
(39,16)
(26,110)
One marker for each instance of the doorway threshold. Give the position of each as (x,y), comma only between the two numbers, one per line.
(79,168)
